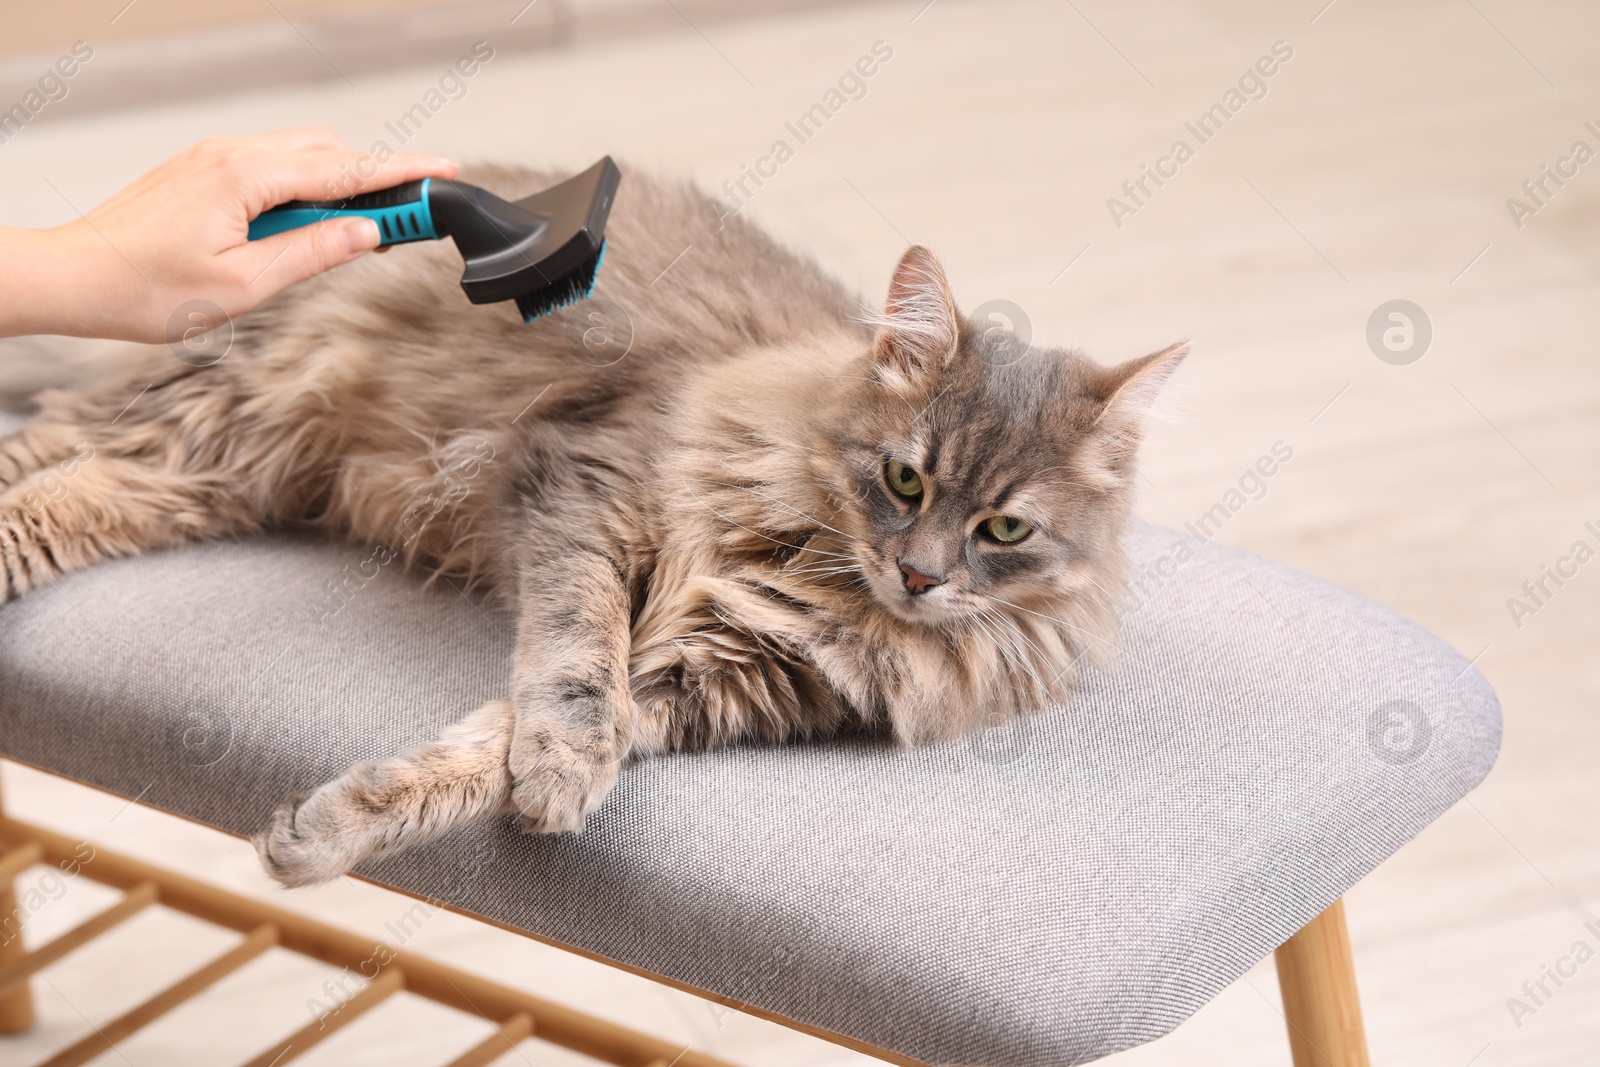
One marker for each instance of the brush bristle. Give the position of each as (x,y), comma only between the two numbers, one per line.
(573,287)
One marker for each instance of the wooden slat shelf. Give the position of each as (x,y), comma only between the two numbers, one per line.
(497,1044)
(106,1036)
(384,985)
(136,899)
(515,1014)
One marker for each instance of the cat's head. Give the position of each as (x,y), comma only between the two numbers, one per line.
(982,476)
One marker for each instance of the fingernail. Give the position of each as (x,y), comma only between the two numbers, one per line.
(361,235)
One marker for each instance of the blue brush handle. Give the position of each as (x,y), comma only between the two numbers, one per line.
(402,214)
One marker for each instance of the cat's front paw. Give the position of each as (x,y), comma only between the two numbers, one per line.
(305,844)
(555,785)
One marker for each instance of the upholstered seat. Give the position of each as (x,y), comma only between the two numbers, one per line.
(1040,894)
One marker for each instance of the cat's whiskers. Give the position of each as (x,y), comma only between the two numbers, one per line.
(822,572)
(1012,658)
(820,568)
(1000,647)
(753,533)
(841,562)
(1090,579)
(1041,658)
(993,624)
(822,553)
(783,504)
(1061,622)
(799,549)
(1027,663)
(822,558)
(849,587)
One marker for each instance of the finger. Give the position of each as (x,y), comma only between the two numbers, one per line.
(277,262)
(300,139)
(332,175)
(291,139)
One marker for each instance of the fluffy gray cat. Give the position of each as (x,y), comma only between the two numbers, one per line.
(768,519)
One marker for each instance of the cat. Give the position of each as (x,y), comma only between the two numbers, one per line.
(724,502)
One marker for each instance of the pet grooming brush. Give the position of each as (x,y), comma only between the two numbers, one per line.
(542,251)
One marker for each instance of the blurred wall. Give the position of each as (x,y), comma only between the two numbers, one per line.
(41,27)
(148,52)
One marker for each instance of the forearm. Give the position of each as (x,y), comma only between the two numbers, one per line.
(51,282)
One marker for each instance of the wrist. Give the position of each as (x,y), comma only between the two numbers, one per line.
(50,282)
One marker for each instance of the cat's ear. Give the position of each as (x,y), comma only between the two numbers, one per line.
(920,325)
(1132,389)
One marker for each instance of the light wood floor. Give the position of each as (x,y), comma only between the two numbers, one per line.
(1376,167)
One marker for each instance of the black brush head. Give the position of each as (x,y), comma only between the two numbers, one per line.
(542,251)
(573,287)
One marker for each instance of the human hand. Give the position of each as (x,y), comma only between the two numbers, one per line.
(179,234)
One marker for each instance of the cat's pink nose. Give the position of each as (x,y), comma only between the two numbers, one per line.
(917,582)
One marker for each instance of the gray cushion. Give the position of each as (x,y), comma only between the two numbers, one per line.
(1041,894)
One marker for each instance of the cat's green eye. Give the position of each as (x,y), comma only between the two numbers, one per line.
(1007,530)
(902,479)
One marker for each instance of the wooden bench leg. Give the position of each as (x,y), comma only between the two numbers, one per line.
(1318,979)
(16,1007)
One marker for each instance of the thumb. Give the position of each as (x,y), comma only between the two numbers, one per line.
(293,256)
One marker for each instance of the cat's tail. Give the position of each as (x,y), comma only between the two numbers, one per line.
(375,809)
